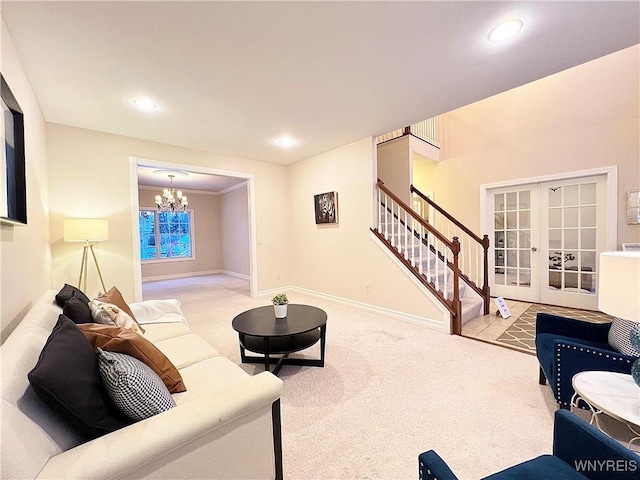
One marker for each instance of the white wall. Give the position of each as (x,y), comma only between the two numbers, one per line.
(206,237)
(89,176)
(234,231)
(25,256)
(340,260)
(585,117)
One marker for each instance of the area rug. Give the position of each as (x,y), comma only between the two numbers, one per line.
(521,334)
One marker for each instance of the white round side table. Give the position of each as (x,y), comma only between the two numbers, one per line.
(613,394)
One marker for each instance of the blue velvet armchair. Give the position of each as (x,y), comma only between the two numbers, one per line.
(579,451)
(565,346)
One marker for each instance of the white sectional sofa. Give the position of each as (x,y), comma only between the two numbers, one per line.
(226,425)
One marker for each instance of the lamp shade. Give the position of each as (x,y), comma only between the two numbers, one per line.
(619,285)
(85,230)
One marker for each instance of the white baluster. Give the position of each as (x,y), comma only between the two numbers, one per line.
(428,257)
(413,242)
(469,241)
(477,264)
(379,211)
(386,221)
(406,236)
(461,266)
(399,230)
(445,269)
(393,240)
(420,245)
(436,262)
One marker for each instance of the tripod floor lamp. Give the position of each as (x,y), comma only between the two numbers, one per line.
(86,230)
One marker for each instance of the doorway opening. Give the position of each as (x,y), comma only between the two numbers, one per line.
(547,234)
(216,239)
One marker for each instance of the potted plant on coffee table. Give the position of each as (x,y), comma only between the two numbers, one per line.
(280,302)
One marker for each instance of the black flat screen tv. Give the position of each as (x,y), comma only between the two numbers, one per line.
(13,179)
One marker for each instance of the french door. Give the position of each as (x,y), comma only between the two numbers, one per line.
(546,241)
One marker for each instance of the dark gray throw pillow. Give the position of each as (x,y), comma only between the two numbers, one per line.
(68,291)
(66,378)
(133,386)
(77,310)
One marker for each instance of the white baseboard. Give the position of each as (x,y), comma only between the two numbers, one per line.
(405,317)
(236,274)
(181,275)
(273,291)
(195,274)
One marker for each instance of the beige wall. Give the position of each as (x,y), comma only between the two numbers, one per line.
(340,260)
(394,166)
(90,176)
(206,237)
(25,256)
(582,118)
(234,231)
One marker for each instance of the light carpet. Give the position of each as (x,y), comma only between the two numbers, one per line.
(389,391)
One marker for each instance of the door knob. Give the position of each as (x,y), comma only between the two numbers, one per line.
(534,249)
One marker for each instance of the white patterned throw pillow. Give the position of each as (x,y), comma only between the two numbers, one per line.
(132,386)
(619,336)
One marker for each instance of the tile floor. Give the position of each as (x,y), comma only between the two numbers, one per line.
(490,327)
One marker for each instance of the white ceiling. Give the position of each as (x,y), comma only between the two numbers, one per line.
(232,77)
(192,181)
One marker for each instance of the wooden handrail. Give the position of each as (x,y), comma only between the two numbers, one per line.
(455,305)
(417,217)
(450,217)
(484,242)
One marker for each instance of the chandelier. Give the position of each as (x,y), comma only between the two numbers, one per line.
(171,199)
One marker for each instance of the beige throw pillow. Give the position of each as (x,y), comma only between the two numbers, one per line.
(110,314)
(114,296)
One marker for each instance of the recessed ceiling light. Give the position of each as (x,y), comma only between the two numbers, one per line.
(144,104)
(286,142)
(505,30)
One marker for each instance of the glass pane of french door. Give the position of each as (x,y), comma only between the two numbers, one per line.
(515,223)
(573,216)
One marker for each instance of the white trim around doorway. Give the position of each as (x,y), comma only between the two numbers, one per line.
(133,188)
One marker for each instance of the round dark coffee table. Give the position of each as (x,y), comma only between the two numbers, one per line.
(259,331)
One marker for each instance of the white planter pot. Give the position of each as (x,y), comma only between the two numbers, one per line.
(281,311)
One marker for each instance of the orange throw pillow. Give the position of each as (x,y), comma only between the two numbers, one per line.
(114,296)
(119,340)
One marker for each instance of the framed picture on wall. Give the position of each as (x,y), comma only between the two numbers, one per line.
(326,208)
(13,187)
(633,208)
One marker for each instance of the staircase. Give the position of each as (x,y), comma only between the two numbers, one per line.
(451,269)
